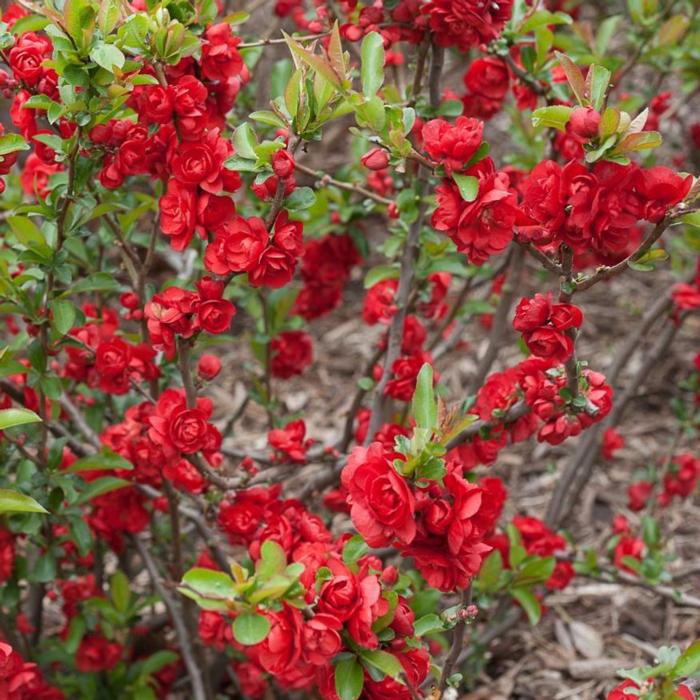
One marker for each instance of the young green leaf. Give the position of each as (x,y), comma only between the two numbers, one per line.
(529,604)
(349,679)
(468,186)
(250,628)
(12,417)
(14,502)
(424,404)
(372,70)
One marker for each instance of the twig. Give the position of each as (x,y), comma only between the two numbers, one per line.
(435,72)
(268,42)
(580,469)
(457,645)
(410,253)
(325,179)
(500,321)
(515,412)
(77,417)
(193,669)
(357,402)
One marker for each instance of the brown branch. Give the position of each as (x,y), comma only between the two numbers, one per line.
(325,179)
(500,320)
(395,337)
(541,257)
(457,645)
(580,469)
(193,669)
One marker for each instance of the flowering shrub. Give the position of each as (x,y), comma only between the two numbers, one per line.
(166,226)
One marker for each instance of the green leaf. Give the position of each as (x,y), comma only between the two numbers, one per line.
(689,663)
(597,81)
(11,143)
(468,186)
(103,460)
(101,486)
(155,662)
(318,64)
(119,591)
(556,116)
(98,282)
(349,679)
(575,77)
(78,17)
(272,560)
(250,628)
(543,18)
(490,572)
(30,23)
(354,549)
(63,315)
(269,118)
(517,552)
(372,70)
(28,234)
(207,582)
(385,662)
(426,624)
(302,198)
(380,273)
(14,502)
(245,141)
(12,417)
(43,570)
(529,603)
(237,17)
(107,56)
(536,571)
(424,406)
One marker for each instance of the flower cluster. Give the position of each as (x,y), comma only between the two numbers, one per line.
(344,601)
(483,227)
(105,360)
(464,24)
(678,481)
(544,326)
(442,527)
(244,245)
(180,313)
(595,208)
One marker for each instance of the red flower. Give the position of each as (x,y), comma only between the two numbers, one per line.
(238,246)
(179,429)
(481,228)
(628,546)
(661,189)
(290,441)
(467,23)
(488,78)
(177,214)
(27,55)
(452,145)
(220,57)
(283,163)
(638,494)
(612,442)
(379,304)
(96,653)
(292,353)
(584,122)
(404,373)
(7,554)
(281,649)
(201,162)
(274,268)
(382,504)
(288,234)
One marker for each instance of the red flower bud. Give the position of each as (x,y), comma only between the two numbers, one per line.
(283,164)
(208,366)
(584,122)
(375,159)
